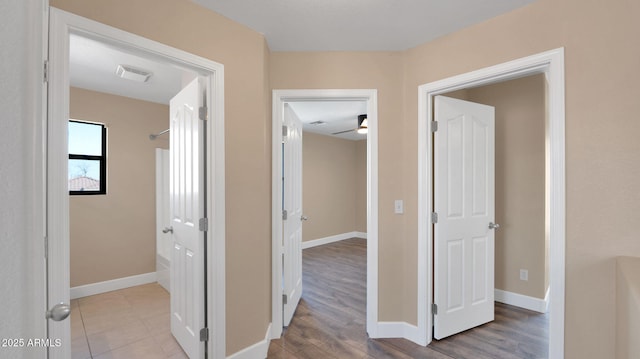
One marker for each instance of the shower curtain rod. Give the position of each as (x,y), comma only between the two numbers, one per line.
(153,137)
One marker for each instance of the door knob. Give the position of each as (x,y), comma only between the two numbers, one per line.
(303,218)
(59,312)
(493,225)
(167,230)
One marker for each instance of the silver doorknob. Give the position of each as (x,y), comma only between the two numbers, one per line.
(493,225)
(167,230)
(59,312)
(303,218)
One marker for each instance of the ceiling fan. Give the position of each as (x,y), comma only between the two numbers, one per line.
(362,126)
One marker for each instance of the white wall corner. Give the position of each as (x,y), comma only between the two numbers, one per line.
(111,285)
(332,239)
(522,301)
(398,330)
(256,351)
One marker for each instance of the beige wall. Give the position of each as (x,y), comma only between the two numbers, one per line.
(114,235)
(366,70)
(603,191)
(330,189)
(520,116)
(244,54)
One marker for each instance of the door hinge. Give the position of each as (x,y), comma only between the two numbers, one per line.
(284,299)
(45,74)
(203,224)
(434,217)
(434,126)
(285,131)
(434,309)
(202,113)
(46,247)
(284,214)
(204,334)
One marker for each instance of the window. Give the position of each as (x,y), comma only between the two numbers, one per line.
(87,158)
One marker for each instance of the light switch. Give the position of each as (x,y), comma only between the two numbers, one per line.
(399,206)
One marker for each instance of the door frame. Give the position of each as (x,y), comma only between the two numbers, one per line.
(280,97)
(62,24)
(550,63)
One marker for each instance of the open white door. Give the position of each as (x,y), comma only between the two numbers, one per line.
(187,219)
(464,206)
(293,216)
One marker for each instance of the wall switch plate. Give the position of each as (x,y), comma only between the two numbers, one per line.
(524,274)
(399,206)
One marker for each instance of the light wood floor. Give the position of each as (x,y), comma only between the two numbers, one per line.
(330,320)
(131,323)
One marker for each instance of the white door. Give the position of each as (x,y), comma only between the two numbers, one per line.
(187,209)
(292,204)
(464,203)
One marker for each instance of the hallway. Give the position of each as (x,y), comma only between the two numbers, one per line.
(330,320)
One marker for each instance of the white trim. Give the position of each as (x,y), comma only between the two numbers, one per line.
(113,284)
(521,301)
(331,239)
(550,63)
(258,350)
(547,300)
(398,330)
(279,98)
(62,24)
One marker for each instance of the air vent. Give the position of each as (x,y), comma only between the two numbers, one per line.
(131,73)
(316,123)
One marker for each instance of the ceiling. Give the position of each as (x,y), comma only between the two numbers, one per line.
(293,25)
(337,116)
(92,66)
(357,25)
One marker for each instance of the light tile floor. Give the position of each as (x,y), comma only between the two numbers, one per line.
(127,323)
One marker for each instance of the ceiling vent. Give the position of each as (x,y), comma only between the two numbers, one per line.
(131,73)
(316,123)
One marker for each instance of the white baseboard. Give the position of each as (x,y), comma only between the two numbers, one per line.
(522,301)
(256,351)
(398,330)
(114,284)
(331,239)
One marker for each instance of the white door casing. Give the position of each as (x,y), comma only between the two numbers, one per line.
(187,208)
(465,205)
(292,204)
(61,25)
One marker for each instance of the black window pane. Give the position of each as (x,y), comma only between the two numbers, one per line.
(84,175)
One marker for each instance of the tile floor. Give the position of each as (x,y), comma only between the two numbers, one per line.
(127,323)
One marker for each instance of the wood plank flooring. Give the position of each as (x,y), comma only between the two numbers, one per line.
(330,320)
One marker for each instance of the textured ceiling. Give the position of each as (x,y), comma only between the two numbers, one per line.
(337,116)
(357,25)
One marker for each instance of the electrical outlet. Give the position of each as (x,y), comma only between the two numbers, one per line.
(524,274)
(399,206)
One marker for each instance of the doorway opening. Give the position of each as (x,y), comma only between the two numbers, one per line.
(282,100)
(551,65)
(64,26)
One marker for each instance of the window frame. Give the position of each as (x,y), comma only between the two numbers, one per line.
(102,161)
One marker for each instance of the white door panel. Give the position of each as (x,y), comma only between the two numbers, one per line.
(187,207)
(292,203)
(464,201)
